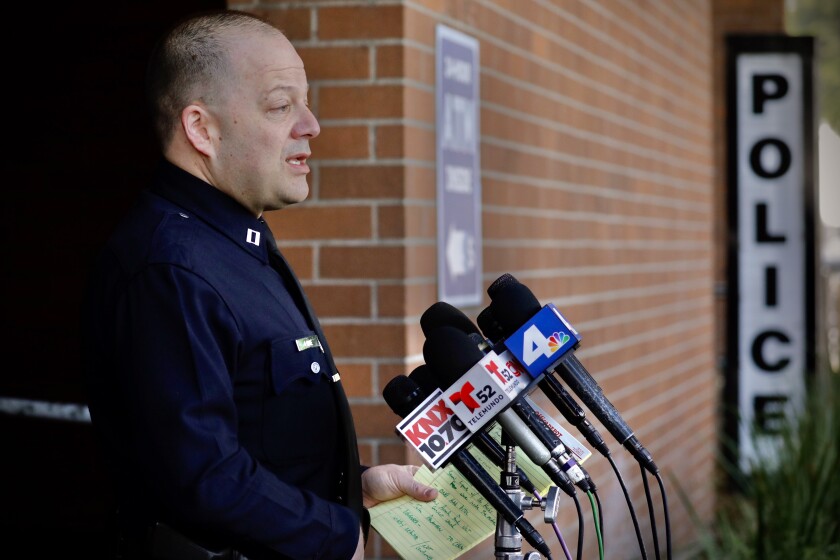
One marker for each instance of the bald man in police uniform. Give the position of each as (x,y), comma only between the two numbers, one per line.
(210,381)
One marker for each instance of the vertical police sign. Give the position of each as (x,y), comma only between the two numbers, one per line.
(458,172)
(771,259)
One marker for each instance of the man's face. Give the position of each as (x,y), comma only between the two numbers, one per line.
(265,125)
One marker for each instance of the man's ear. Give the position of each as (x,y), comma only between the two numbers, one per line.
(198,127)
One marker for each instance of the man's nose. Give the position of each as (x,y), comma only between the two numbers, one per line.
(308,125)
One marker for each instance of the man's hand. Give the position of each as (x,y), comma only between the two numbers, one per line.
(387,482)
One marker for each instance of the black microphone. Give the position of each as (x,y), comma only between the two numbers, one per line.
(450,353)
(512,305)
(403,395)
(556,448)
(443,314)
(485,443)
(550,386)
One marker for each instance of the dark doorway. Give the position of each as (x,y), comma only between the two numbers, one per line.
(79,148)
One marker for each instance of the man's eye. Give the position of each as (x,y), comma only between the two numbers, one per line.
(284,108)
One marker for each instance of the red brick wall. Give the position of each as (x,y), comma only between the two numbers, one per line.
(599,193)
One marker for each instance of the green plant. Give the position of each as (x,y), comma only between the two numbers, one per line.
(788,507)
(821,20)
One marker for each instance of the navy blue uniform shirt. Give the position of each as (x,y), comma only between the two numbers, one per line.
(217,407)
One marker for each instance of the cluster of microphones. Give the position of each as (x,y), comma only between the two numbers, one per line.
(480,377)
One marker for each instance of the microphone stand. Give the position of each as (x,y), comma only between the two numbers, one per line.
(508,539)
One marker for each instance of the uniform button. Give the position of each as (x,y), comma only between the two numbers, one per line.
(315,367)
(183,215)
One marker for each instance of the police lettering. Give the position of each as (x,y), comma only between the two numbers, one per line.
(769,158)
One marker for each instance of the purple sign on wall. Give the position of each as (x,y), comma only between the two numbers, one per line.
(458,171)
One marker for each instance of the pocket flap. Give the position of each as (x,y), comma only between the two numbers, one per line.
(296,358)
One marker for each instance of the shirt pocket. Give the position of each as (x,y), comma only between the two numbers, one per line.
(299,423)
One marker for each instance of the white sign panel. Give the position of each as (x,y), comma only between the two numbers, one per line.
(771,160)
(458,171)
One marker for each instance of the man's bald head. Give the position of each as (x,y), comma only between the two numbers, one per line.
(191,62)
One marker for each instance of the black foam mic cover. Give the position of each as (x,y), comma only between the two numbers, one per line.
(444,314)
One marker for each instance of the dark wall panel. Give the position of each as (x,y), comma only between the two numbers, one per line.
(80,148)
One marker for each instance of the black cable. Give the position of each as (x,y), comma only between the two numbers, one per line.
(630,507)
(580,527)
(667,517)
(651,513)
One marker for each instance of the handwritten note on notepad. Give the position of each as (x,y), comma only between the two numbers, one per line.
(457,520)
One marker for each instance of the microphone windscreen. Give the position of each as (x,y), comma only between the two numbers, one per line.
(512,305)
(425,378)
(477,339)
(489,325)
(403,395)
(499,283)
(449,353)
(442,313)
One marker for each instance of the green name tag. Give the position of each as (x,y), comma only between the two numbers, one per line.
(308,342)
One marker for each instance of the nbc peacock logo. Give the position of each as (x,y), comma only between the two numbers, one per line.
(557,341)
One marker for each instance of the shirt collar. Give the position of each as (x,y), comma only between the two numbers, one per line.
(202,200)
